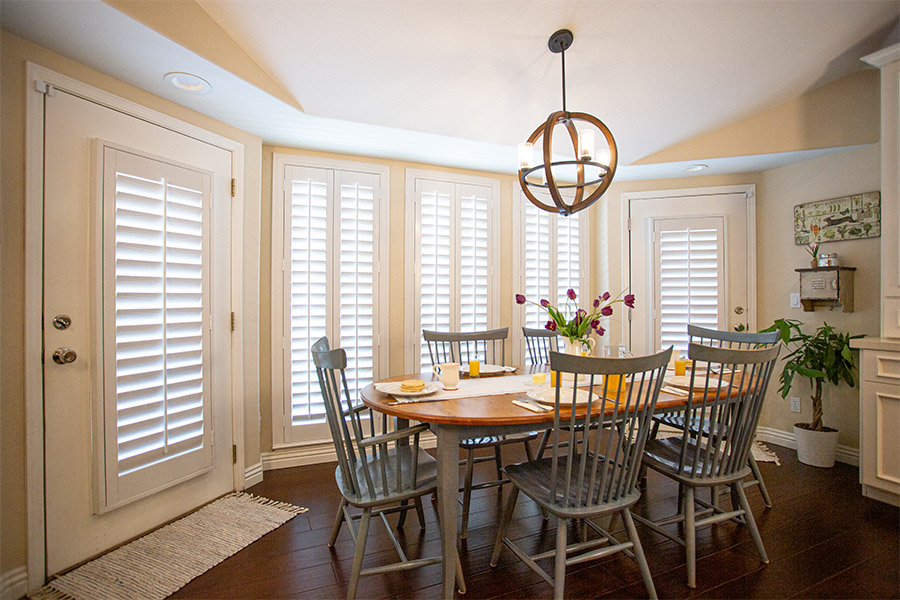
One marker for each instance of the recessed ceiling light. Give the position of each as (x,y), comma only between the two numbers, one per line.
(697,167)
(188,82)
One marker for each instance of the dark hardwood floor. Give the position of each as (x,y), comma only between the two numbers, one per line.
(823,538)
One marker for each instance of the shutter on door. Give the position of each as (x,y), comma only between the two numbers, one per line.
(156,320)
(473,258)
(537,262)
(567,253)
(689,263)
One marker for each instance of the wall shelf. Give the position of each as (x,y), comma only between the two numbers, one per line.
(826,287)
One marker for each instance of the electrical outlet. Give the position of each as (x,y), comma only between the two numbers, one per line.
(795,300)
(795,404)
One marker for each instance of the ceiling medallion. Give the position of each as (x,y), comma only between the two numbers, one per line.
(588,174)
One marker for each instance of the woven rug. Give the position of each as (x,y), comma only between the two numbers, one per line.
(760,452)
(163,561)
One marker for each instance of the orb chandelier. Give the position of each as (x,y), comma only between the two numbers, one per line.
(588,174)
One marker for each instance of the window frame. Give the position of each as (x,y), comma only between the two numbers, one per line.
(521,202)
(314,433)
(412,277)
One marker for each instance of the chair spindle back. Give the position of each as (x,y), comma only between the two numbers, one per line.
(540,343)
(455,346)
(604,469)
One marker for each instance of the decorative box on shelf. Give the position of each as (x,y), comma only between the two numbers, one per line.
(827,287)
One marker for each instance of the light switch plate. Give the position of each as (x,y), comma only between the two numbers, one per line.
(795,300)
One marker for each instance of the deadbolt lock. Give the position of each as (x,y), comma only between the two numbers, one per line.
(738,310)
(62,321)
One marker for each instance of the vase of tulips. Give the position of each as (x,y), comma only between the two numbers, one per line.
(575,324)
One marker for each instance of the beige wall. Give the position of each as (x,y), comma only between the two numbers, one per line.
(14,52)
(841,174)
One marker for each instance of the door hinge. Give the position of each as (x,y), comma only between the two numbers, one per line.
(232,187)
(629,223)
(233,454)
(232,321)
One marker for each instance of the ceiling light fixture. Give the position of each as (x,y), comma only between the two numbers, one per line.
(188,82)
(697,167)
(590,172)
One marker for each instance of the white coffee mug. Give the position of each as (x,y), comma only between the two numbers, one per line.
(448,373)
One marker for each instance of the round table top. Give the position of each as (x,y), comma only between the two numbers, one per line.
(496,409)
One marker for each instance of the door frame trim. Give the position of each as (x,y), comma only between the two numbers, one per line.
(749,191)
(38,79)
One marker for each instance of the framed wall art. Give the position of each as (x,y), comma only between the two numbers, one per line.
(838,219)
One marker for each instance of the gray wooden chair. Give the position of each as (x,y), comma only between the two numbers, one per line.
(724,339)
(731,391)
(597,477)
(540,343)
(377,471)
(488,347)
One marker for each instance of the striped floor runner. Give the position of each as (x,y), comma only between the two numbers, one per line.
(163,561)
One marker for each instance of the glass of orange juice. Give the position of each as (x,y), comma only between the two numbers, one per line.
(614,351)
(681,362)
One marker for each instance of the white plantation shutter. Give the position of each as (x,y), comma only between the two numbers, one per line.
(331,287)
(307,285)
(452,233)
(552,260)
(689,262)
(538,262)
(436,291)
(568,257)
(355,291)
(473,261)
(156,317)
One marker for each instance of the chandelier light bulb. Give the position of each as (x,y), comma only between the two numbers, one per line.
(603,157)
(586,144)
(526,155)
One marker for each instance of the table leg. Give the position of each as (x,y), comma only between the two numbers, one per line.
(447,486)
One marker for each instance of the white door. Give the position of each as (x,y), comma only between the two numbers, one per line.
(692,260)
(138,427)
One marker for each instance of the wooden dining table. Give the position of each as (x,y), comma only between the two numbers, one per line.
(455,419)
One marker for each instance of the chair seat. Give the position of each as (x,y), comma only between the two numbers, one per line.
(426,478)
(497,440)
(664,456)
(676,420)
(533,479)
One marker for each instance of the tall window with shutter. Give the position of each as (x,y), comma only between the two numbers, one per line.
(451,234)
(551,259)
(330,282)
(156,321)
(688,265)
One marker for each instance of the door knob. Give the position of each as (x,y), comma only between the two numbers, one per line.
(739,327)
(63,356)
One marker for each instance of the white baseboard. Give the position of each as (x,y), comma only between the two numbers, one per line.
(253,475)
(845,454)
(14,584)
(316,453)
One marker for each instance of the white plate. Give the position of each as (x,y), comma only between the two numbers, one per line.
(393,388)
(548,396)
(487,369)
(684,381)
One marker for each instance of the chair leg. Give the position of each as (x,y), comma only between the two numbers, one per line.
(420,512)
(639,553)
(338,521)
(467,493)
(714,496)
(460,579)
(504,524)
(759,481)
(749,521)
(559,567)
(359,552)
(498,463)
(690,536)
(545,439)
(402,519)
(530,455)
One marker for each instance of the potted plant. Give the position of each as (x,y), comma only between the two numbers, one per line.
(822,357)
(813,250)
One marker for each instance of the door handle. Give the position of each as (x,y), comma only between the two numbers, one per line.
(740,327)
(62,356)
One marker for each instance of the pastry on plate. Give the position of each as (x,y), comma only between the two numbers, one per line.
(412,385)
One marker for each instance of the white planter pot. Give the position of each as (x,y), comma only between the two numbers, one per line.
(816,448)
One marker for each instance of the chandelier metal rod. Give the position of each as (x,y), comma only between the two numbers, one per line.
(563,80)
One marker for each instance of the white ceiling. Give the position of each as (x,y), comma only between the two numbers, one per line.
(461,82)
